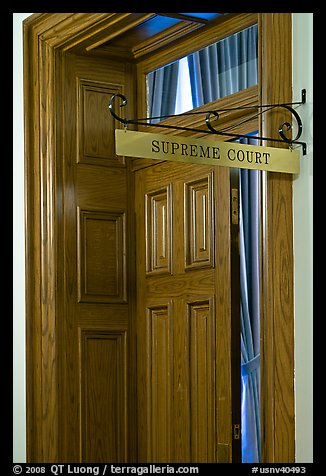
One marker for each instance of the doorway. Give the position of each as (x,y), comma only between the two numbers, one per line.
(50,39)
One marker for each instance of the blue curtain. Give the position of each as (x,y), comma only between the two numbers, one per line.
(224,67)
(162,87)
(250,315)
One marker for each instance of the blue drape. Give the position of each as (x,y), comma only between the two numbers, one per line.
(250,315)
(224,67)
(162,87)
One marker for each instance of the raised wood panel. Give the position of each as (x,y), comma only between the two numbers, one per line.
(201,319)
(160,372)
(158,231)
(101,256)
(199,216)
(95,124)
(103,395)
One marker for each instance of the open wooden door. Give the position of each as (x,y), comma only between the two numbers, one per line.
(95,313)
(183,313)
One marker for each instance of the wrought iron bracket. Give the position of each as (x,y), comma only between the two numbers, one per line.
(214,115)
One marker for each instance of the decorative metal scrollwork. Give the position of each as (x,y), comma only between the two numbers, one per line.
(289,127)
(213,116)
(124,103)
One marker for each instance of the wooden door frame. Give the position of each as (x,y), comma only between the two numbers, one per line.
(48,36)
(277,275)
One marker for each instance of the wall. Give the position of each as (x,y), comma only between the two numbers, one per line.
(303,203)
(19,386)
(303,247)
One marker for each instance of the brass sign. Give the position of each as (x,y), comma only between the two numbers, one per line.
(192,150)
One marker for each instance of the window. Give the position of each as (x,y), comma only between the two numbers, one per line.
(211,73)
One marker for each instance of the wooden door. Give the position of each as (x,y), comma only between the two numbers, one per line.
(183,313)
(94,323)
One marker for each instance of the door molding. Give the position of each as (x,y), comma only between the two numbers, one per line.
(48,36)
(277,278)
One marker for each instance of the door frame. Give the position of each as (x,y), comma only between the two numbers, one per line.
(48,36)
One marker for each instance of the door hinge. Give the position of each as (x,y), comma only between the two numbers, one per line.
(236,431)
(234,206)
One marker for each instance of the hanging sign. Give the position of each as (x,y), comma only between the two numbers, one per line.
(147,145)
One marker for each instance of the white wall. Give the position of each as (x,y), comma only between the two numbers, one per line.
(303,244)
(19,387)
(302,207)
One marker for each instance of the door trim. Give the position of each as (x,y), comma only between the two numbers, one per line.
(277,278)
(47,36)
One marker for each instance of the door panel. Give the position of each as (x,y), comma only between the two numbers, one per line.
(201,328)
(103,391)
(158,231)
(160,366)
(183,313)
(199,223)
(93,254)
